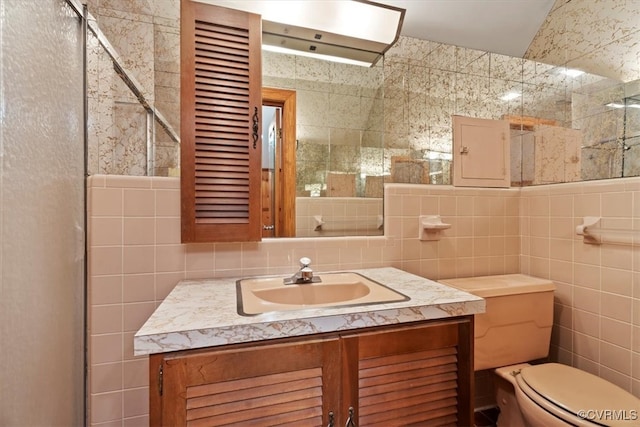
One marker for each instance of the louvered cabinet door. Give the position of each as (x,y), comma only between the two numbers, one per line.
(411,376)
(293,384)
(221,103)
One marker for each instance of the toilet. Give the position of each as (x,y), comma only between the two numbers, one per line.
(515,330)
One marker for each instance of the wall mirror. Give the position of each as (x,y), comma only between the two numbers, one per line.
(565,127)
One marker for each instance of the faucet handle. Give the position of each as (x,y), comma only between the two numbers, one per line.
(305,262)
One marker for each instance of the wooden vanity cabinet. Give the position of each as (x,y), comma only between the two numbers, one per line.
(417,373)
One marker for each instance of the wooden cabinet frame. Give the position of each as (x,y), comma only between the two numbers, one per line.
(285,178)
(220,125)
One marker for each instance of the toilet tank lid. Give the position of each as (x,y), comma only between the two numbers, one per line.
(501,285)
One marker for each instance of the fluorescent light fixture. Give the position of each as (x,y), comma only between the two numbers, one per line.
(359,30)
(280,49)
(572,72)
(614,105)
(510,96)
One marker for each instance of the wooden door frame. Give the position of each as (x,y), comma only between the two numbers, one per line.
(285,173)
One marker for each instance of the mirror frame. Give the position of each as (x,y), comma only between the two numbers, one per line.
(285,164)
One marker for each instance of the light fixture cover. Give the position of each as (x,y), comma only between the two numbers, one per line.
(358,30)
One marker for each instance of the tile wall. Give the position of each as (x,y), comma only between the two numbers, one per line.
(597,310)
(135,258)
(355,216)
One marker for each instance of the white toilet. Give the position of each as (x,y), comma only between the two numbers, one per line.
(516,329)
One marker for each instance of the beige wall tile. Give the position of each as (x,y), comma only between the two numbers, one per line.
(136,402)
(586,299)
(170,258)
(138,288)
(562,228)
(105,348)
(448,205)
(106,377)
(139,231)
(586,323)
(167,231)
(200,257)
(586,205)
(139,203)
(105,231)
(138,259)
(106,407)
(561,249)
(106,319)
(481,226)
(539,206)
(561,206)
(617,281)
(616,205)
(617,256)
(586,254)
(615,332)
(105,290)
(539,267)
(105,260)
(586,346)
(616,358)
(106,202)
(587,275)
(561,271)
(167,203)
(135,314)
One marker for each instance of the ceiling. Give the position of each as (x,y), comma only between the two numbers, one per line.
(500,26)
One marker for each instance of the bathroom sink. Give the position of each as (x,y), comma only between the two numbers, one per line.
(269,294)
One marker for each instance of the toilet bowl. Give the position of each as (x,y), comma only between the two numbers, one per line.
(515,330)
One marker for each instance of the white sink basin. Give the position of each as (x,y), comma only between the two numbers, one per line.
(268,294)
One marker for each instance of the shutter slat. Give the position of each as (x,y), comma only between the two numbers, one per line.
(213,71)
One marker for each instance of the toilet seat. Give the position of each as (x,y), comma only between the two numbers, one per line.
(565,391)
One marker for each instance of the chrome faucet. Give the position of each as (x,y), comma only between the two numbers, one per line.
(304,275)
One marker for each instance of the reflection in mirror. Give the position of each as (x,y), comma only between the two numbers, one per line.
(339,143)
(565,127)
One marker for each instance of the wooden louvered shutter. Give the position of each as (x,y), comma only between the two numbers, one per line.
(220,126)
(294,384)
(411,376)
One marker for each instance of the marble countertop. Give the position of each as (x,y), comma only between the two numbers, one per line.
(203,313)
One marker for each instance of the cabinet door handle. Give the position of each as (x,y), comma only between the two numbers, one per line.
(256,127)
(331,420)
(350,422)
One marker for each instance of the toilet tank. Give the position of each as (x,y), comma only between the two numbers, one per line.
(516,326)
